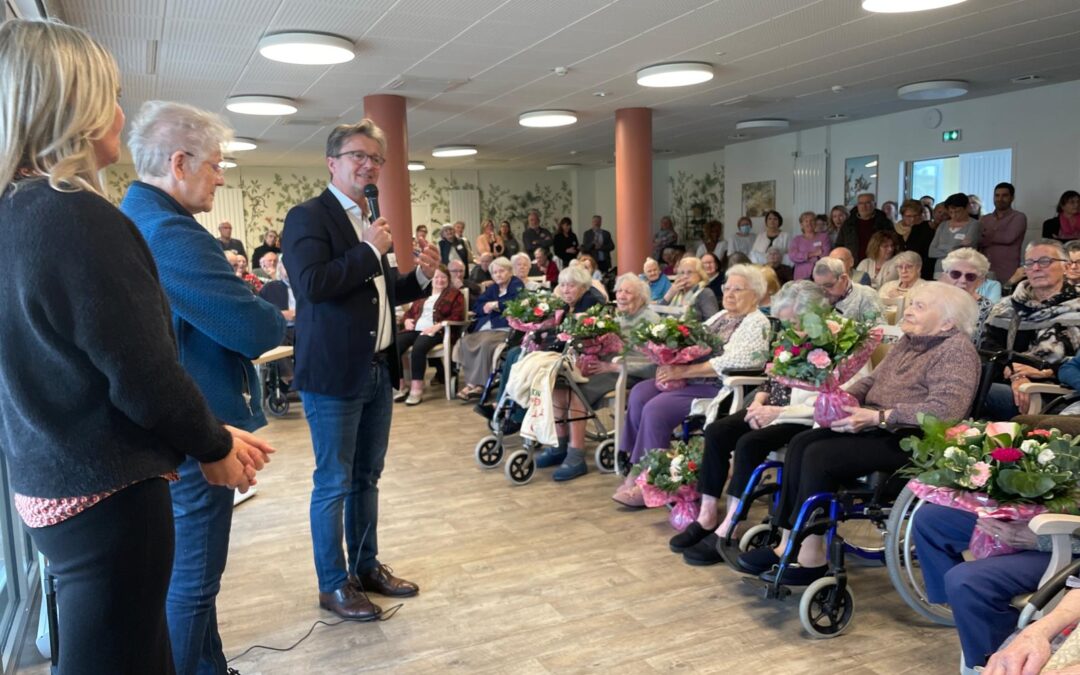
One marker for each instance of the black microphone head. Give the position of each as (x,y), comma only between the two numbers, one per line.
(371,191)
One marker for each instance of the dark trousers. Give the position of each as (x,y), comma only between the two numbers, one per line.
(203,516)
(112,565)
(979,591)
(823,460)
(421,344)
(731,435)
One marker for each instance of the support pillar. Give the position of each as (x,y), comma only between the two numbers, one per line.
(395,197)
(633,187)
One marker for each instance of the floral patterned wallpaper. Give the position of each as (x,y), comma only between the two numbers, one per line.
(696,199)
(497,202)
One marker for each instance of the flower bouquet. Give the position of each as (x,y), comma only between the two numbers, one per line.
(533,312)
(998,470)
(821,355)
(671,475)
(592,334)
(671,341)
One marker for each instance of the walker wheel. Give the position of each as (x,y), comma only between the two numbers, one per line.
(277,403)
(824,610)
(520,467)
(605,456)
(758,536)
(489,452)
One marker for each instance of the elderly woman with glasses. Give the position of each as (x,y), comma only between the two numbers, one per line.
(966,268)
(488,330)
(690,290)
(908,266)
(653,410)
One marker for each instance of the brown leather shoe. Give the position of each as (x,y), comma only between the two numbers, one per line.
(348,602)
(382,581)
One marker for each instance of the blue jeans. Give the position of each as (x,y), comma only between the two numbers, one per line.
(979,591)
(349,436)
(999,404)
(203,517)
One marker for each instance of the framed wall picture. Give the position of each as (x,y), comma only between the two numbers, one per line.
(860,175)
(758,197)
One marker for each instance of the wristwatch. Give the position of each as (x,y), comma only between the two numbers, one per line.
(881,419)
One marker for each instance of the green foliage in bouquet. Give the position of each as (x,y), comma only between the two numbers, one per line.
(670,469)
(673,333)
(592,323)
(534,306)
(824,338)
(1011,463)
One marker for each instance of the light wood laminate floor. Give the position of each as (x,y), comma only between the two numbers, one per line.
(542,578)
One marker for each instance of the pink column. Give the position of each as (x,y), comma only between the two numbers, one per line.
(633,187)
(395,200)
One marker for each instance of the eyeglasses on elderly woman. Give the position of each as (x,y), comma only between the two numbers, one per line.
(968,276)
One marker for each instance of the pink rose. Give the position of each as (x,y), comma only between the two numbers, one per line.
(776,352)
(961,431)
(833,326)
(588,321)
(982,473)
(819,358)
(538,312)
(1006,455)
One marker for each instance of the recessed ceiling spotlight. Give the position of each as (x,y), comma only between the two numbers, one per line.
(600,94)
(679,74)
(737,137)
(307,49)
(261,105)
(897,6)
(1027,79)
(547,118)
(453,151)
(239,144)
(560,71)
(836,116)
(228,163)
(763,124)
(416,166)
(933,90)
(558,167)
(837,88)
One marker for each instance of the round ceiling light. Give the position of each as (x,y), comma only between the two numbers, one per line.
(762,124)
(932,90)
(261,105)
(547,118)
(307,49)
(675,74)
(228,163)
(897,6)
(239,144)
(416,166)
(453,151)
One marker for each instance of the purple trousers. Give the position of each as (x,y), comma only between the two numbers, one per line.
(652,414)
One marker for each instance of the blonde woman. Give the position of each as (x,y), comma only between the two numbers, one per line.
(96,412)
(489,241)
(690,290)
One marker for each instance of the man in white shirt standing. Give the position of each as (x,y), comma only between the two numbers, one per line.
(346,288)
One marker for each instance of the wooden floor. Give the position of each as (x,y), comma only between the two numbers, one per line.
(542,578)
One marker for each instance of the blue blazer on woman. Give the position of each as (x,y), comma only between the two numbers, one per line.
(492,293)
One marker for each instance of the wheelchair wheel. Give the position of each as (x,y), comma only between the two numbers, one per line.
(824,610)
(902,563)
(622,463)
(605,456)
(520,467)
(277,403)
(758,536)
(489,452)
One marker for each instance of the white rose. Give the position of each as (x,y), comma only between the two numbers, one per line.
(784,357)
(1029,446)
(659,330)
(950,452)
(1046,456)
(676,468)
(545,307)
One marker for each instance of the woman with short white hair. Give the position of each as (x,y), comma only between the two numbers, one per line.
(488,330)
(908,267)
(966,268)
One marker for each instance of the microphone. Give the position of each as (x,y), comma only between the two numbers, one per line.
(371,194)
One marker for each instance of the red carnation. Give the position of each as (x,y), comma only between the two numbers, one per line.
(588,321)
(776,352)
(1006,455)
(692,465)
(684,330)
(538,312)
(795,351)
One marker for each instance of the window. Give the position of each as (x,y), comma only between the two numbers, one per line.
(973,173)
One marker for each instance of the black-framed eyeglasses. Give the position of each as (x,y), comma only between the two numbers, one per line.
(359,156)
(1042,263)
(968,276)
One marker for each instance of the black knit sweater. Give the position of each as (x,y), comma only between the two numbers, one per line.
(92,396)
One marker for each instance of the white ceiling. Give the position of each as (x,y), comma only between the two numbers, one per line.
(469,67)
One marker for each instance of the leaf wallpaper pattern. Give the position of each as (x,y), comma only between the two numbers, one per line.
(496,201)
(695,200)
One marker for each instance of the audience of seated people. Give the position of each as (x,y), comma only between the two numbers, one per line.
(589,263)
(422,329)
(488,330)
(1065,226)
(270,244)
(966,268)
(908,266)
(480,274)
(548,269)
(881,248)
(849,298)
(714,280)
(489,241)
(844,255)
(653,410)
(658,282)
(689,292)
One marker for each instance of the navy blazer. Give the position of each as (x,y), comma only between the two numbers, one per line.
(337,305)
(492,293)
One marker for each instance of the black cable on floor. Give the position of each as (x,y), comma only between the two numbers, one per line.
(386,614)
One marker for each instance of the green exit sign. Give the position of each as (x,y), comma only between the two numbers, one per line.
(948,136)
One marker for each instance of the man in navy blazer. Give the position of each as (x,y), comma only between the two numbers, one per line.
(346,288)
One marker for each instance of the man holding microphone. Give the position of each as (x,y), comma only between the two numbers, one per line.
(346,289)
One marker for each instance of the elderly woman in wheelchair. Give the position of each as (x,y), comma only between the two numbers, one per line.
(934,368)
(775,415)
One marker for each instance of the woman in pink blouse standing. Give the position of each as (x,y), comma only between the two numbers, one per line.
(809,247)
